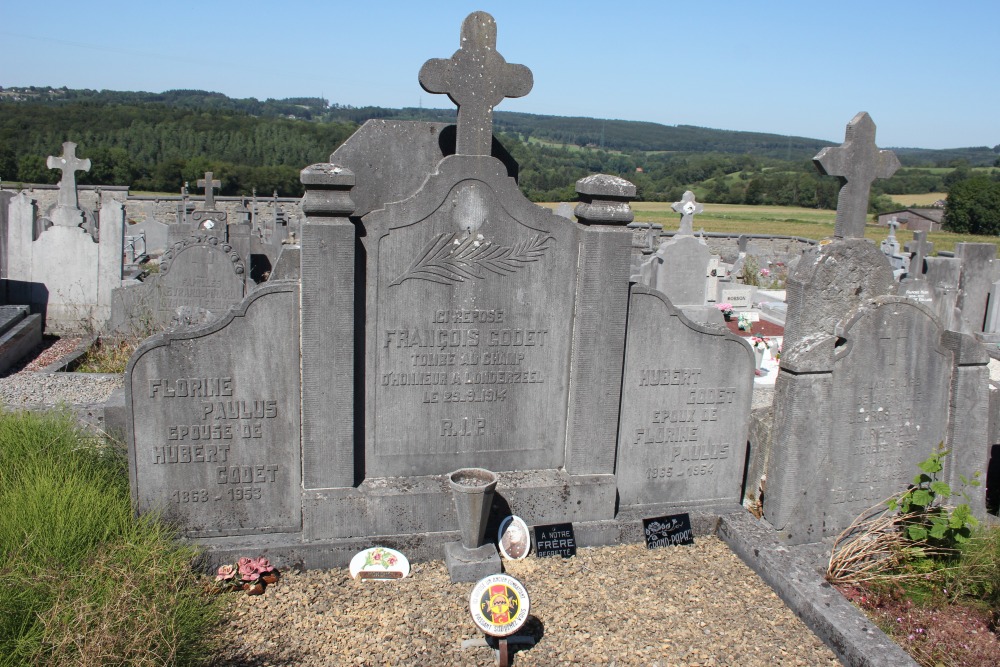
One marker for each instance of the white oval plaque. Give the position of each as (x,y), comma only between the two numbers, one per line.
(381,563)
(499,605)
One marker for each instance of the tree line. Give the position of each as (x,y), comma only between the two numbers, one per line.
(158,141)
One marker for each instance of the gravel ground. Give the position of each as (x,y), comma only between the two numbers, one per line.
(24,385)
(626,605)
(697,605)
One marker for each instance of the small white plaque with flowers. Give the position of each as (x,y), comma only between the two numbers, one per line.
(379,563)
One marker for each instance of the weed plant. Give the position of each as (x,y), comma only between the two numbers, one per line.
(85,581)
(108,355)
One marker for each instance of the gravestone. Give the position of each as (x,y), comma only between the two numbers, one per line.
(944,275)
(869,384)
(685,409)
(155,232)
(214,421)
(199,272)
(454,325)
(980,269)
(209,218)
(679,268)
(915,284)
(890,248)
(62,271)
(856,411)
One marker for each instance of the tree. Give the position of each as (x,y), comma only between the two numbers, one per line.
(973,207)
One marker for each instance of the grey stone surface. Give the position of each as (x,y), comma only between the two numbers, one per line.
(153,231)
(213,421)
(944,275)
(62,272)
(472,291)
(688,208)
(980,269)
(828,282)
(855,412)
(685,408)
(679,269)
(604,199)
(471,564)
(857,641)
(476,78)
(199,272)
(20,332)
(391,159)
(67,212)
(856,163)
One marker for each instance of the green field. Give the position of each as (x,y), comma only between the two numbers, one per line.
(810,223)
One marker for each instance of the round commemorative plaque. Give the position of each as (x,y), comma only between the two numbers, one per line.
(514,538)
(499,605)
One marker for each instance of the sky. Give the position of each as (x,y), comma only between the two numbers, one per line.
(926,72)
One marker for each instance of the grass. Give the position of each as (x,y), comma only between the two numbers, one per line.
(809,223)
(108,355)
(85,581)
(925,199)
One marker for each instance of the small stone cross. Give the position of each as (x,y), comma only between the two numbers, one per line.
(688,208)
(917,262)
(69,163)
(857,163)
(209,184)
(476,78)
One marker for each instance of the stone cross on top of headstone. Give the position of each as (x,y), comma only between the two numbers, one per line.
(67,211)
(209,184)
(857,163)
(476,78)
(688,208)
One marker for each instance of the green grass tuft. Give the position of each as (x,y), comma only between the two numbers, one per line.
(85,581)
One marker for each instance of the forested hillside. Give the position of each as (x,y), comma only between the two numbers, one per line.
(156,141)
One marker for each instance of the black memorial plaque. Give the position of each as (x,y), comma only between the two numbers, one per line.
(555,540)
(668,531)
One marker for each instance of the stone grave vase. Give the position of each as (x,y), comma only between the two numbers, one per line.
(472,489)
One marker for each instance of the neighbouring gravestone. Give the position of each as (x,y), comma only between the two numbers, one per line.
(199,272)
(980,269)
(944,275)
(915,284)
(869,384)
(154,232)
(62,271)
(685,408)
(855,413)
(890,248)
(679,268)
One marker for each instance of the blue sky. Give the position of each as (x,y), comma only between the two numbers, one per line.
(927,72)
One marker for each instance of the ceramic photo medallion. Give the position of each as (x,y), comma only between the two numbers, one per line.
(513,538)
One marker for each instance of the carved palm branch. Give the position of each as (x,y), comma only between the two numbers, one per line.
(447,261)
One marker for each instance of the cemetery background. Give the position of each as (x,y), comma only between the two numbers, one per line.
(480,203)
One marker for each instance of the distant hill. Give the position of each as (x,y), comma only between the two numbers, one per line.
(156,141)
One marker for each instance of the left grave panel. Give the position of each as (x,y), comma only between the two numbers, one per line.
(214,415)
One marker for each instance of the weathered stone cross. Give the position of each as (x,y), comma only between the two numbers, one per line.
(917,262)
(857,163)
(69,163)
(476,78)
(209,184)
(688,208)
